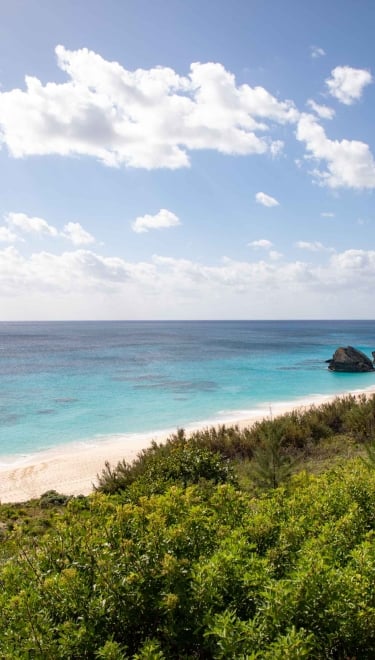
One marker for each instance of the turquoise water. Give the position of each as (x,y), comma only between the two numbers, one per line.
(75,381)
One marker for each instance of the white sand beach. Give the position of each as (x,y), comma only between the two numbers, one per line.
(72,468)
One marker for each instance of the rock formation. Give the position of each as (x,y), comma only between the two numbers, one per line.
(351,360)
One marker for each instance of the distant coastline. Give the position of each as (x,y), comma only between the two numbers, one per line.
(72,468)
(75,394)
(68,382)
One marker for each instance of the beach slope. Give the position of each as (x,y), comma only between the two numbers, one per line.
(72,469)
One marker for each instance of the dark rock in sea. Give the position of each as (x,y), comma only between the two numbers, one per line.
(349,359)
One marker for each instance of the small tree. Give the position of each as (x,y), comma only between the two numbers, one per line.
(370,450)
(270,465)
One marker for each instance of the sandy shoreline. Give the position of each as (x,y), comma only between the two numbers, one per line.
(72,468)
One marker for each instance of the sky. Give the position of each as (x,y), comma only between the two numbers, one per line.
(176,159)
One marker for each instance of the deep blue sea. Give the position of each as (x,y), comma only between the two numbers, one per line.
(76,381)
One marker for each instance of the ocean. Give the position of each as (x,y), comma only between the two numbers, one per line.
(63,382)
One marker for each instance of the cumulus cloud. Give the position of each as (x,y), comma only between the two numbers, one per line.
(349,163)
(144,118)
(85,270)
(68,271)
(323,111)
(316,52)
(265,244)
(313,246)
(347,84)
(327,214)
(30,225)
(7,235)
(83,280)
(266,200)
(262,243)
(162,220)
(75,233)
(352,268)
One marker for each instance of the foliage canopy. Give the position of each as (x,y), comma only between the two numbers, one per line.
(169,558)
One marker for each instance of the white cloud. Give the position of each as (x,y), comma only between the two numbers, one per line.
(276,148)
(51,285)
(347,84)
(84,270)
(262,243)
(352,268)
(66,272)
(266,200)
(7,235)
(316,52)
(327,214)
(349,163)
(143,118)
(313,246)
(274,255)
(30,225)
(161,220)
(323,111)
(75,233)
(265,244)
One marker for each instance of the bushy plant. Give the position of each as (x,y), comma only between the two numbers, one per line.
(270,465)
(178,461)
(195,573)
(270,444)
(52,498)
(169,559)
(360,418)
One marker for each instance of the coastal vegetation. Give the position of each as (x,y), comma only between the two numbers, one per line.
(254,544)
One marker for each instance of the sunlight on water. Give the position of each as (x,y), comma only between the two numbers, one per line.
(62,382)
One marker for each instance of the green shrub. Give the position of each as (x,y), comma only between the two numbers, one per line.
(178,461)
(199,569)
(52,498)
(270,465)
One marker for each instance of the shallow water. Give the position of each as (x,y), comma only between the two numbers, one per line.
(72,381)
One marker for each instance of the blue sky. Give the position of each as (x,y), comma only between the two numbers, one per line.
(169,159)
